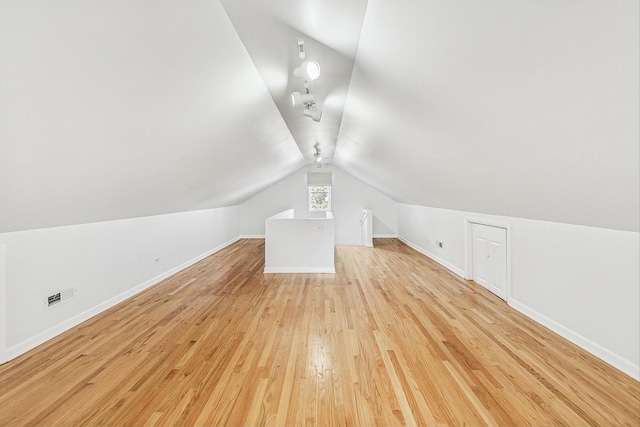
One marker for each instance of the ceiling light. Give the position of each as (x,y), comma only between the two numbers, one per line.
(309,70)
(314,113)
(298,98)
(317,156)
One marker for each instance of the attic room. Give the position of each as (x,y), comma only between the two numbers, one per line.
(144,145)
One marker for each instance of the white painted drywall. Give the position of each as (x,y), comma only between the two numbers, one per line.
(299,243)
(106,262)
(349,196)
(582,282)
(123,109)
(529,109)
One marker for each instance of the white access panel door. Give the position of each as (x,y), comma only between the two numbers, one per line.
(490,258)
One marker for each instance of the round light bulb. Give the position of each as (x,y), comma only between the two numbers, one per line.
(309,70)
(313,70)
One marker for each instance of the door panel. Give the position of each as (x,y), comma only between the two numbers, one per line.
(490,258)
(479,255)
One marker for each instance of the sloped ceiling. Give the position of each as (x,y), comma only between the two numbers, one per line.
(116,109)
(120,108)
(330,30)
(526,109)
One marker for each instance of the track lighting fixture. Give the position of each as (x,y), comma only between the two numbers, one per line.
(313,112)
(316,156)
(309,71)
(306,99)
(298,99)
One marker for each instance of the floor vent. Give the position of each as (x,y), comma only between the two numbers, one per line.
(60,297)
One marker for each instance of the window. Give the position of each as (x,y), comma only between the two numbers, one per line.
(319,185)
(319,197)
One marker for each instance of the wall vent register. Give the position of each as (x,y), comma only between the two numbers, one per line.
(59,297)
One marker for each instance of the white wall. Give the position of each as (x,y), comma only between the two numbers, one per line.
(582,282)
(349,196)
(106,262)
(299,244)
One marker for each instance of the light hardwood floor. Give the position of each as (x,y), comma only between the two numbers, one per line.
(392,338)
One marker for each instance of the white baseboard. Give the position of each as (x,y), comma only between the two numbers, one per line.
(624,365)
(620,363)
(375,236)
(437,259)
(299,270)
(31,343)
(3,306)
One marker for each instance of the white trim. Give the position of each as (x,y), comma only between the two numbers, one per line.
(437,259)
(269,270)
(385,236)
(3,303)
(319,179)
(624,365)
(468,247)
(30,343)
(252,236)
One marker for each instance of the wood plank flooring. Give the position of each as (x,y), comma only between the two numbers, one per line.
(391,339)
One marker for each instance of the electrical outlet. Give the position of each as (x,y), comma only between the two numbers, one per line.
(440,245)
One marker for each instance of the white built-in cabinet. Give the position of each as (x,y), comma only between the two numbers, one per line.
(490,258)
